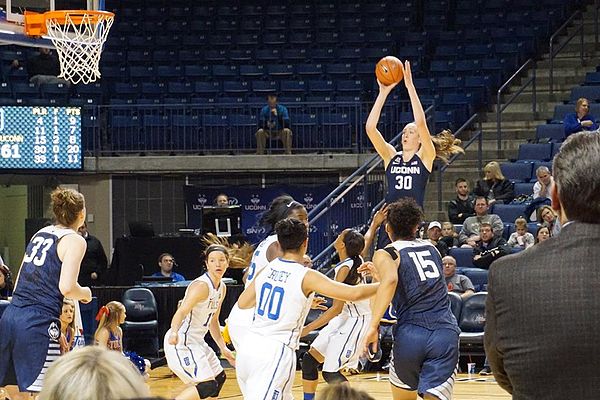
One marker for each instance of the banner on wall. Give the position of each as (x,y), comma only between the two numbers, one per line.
(349,212)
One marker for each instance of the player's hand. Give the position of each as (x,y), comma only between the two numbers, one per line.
(317,303)
(368,268)
(386,89)
(408,81)
(371,339)
(173,338)
(94,276)
(587,124)
(305,331)
(380,215)
(229,356)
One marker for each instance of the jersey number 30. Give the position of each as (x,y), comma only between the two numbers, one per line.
(426,268)
(39,250)
(404,182)
(270,301)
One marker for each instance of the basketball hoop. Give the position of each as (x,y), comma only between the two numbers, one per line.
(78,36)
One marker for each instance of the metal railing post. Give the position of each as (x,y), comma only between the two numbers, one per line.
(534,90)
(582,34)
(553,53)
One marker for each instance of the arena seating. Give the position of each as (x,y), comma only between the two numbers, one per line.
(174,52)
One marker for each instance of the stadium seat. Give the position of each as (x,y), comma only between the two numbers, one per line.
(455,304)
(185,132)
(472,324)
(140,331)
(335,131)
(560,111)
(243,129)
(530,152)
(552,132)
(517,172)
(305,128)
(464,257)
(509,212)
(524,188)
(592,93)
(478,277)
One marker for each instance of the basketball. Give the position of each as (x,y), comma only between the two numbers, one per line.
(389,70)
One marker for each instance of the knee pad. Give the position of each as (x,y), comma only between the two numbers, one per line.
(310,367)
(208,389)
(334,377)
(220,381)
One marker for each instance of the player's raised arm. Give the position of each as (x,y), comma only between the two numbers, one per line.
(317,282)
(427,150)
(385,150)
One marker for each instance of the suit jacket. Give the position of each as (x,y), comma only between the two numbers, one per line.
(542,333)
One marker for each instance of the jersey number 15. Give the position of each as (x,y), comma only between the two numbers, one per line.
(426,268)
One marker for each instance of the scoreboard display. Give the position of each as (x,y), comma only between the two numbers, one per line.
(40,138)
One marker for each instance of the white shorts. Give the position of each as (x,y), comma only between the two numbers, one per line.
(192,362)
(238,323)
(265,369)
(339,342)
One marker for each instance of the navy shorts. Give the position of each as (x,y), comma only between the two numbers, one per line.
(29,343)
(424,360)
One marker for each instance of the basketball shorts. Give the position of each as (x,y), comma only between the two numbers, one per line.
(265,368)
(192,362)
(238,323)
(339,342)
(29,343)
(424,360)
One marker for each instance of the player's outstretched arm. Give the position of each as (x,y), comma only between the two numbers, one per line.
(388,277)
(71,250)
(197,292)
(215,332)
(317,282)
(248,297)
(427,151)
(385,150)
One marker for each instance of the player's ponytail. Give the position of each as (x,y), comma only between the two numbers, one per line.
(446,145)
(66,205)
(281,208)
(354,242)
(239,255)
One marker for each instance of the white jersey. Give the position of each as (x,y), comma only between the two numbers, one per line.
(354,308)
(259,258)
(281,306)
(196,323)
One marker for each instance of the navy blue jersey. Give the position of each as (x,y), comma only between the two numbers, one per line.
(406,179)
(421,296)
(40,272)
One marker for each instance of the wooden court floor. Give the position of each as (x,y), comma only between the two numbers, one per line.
(163,383)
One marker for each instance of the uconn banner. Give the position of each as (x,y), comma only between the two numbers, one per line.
(351,211)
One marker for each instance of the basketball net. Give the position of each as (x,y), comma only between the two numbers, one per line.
(78,37)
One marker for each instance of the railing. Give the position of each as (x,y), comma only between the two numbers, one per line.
(477,136)
(596,22)
(367,175)
(552,52)
(228,128)
(500,108)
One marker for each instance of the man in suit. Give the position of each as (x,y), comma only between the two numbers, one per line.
(542,334)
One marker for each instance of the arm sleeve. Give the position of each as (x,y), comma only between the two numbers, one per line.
(479,190)
(512,240)
(594,126)
(529,240)
(497,225)
(463,235)
(453,212)
(536,190)
(571,124)
(285,117)
(466,283)
(490,339)
(505,191)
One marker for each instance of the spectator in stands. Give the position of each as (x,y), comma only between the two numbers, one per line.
(542,234)
(456,282)
(463,206)
(222,200)
(274,123)
(166,262)
(43,68)
(94,263)
(542,336)
(6,284)
(469,234)
(449,235)
(581,119)
(307,261)
(521,239)
(544,184)
(548,217)
(434,232)
(494,185)
(489,248)
(93,373)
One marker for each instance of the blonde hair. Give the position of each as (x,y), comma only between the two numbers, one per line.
(541,210)
(494,168)
(109,316)
(446,145)
(521,223)
(239,255)
(69,302)
(580,102)
(66,205)
(342,391)
(93,373)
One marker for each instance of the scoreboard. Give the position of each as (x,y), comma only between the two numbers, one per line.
(40,138)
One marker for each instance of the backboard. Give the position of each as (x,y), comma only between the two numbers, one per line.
(12,29)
